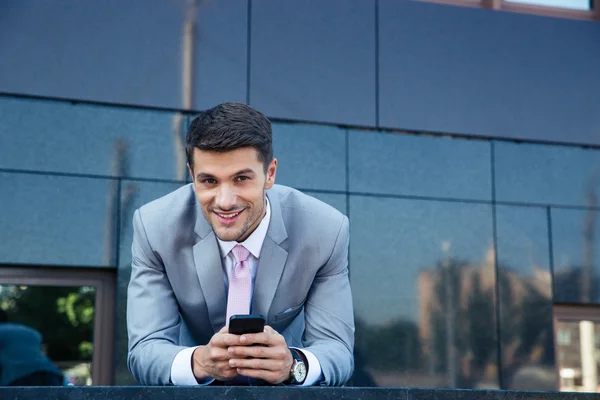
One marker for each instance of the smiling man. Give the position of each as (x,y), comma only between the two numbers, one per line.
(233,242)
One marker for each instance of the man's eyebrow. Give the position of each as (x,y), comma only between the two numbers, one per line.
(203,175)
(246,171)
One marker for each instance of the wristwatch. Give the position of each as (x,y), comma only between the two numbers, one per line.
(298,370)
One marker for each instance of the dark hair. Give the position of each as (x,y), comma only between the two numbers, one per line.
(230,126)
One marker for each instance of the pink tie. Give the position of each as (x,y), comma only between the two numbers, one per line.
(240,282)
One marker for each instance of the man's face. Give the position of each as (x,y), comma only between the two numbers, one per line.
(231,188)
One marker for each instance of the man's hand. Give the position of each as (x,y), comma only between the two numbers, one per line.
(212,360)
(269,360)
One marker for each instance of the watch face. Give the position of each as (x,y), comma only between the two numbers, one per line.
(300,372)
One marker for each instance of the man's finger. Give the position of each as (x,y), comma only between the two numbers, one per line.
(219,354)
(263,338)
(257,364)
(257,352)
(269,376)
(228,339)
(269,330)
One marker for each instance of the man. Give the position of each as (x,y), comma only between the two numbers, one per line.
(22,362)
(230,243)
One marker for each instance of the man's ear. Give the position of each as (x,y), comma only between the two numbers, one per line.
(271,174)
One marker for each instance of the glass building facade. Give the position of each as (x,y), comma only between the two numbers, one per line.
(462,143)
(460,248)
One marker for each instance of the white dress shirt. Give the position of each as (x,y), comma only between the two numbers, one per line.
(181,369)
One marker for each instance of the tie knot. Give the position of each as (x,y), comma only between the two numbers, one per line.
(240,253)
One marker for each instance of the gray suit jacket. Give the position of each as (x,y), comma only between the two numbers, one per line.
(177,299)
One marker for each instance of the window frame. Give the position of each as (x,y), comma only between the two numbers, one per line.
(104,282)
(570,312)
(548,11)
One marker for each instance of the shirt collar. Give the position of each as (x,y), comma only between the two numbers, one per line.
(254,242)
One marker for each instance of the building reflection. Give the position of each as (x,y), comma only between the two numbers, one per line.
(455,343)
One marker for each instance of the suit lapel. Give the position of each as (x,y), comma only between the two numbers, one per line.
(272,260)
(209,269)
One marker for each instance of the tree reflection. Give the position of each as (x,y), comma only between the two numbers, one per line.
(459,295)
(63,315)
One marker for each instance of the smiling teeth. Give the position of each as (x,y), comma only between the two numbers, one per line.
(228,216)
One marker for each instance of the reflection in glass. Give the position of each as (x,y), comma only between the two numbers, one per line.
(310,156)
(89,139)
(64,316)
(134,194)
(577,344)
(338,201)
(314,60)
(525,298)
(423,282)
(575,242)
(545,174)
(419,166)
(572,4)
(57,220)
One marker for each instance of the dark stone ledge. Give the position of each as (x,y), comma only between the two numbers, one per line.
(274,393)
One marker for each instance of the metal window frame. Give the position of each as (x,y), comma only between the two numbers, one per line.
(104,281)
(502,5)
(576,312)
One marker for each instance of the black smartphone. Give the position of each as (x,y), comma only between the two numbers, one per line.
(249,323)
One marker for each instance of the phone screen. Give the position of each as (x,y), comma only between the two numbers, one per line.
(250,323)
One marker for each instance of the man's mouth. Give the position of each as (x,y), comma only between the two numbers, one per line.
(227,218)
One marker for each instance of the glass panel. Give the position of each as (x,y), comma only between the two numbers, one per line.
(64,317)
(88,139)
(493,75)
(417,165)
(56,220)
(525,295)
(137,61)
(338,201)
(313,60)
(546,174)
(575,237)
(221,46)
(310,157)
(423,283)
(577,344)
(572,4)
(134,194)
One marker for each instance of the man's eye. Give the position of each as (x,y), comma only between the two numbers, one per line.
(209,181)
(242,178)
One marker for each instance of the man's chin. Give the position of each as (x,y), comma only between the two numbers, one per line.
(227,234)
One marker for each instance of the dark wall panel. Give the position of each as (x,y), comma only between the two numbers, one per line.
(314,60)
(220,53)
(492,74)
(123,52)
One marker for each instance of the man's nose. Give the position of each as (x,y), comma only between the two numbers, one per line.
(225,198)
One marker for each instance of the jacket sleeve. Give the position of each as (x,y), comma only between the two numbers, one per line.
(153,320)
(329,316)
